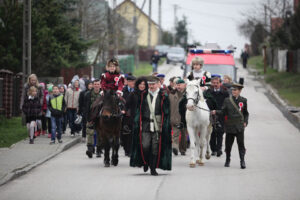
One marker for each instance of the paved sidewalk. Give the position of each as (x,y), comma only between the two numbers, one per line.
(22,156)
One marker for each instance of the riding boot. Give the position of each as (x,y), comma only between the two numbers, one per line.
(153,165)
(242,157)
(227,162)
(146,167)
(89,151)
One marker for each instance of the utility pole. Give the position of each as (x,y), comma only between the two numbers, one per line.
(265,23)
(116,32)
(159,22)
(135,32)
(175,23)
(149,24)
(26,61)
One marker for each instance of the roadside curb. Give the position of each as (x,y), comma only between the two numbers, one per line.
(273,96)
(17,173)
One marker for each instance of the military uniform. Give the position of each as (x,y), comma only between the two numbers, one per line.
(236,112)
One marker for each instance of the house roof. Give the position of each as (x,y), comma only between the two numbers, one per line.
(133,4)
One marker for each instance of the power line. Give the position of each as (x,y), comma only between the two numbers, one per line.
(208,14)
(226,3)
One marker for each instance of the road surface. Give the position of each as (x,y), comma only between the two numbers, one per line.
(272,158)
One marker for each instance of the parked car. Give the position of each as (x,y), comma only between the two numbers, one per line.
(219,62)
(162,50)
(175,55)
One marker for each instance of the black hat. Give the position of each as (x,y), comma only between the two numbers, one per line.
(152,79)
(237,86)
(131,78)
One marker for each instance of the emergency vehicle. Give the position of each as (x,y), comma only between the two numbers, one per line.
(220,62)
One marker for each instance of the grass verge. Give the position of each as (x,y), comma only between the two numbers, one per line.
(145,68)
(286,83)
(11,131)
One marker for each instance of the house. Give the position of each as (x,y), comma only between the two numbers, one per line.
(296,4)
(126,10)
(276,23)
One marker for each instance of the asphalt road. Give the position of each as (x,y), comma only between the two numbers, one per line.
(273,167)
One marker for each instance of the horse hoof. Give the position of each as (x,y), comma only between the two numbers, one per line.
(201,164)
(207,157)
(198,162)
(192,165)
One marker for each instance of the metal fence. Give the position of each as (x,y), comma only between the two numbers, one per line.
(11,87)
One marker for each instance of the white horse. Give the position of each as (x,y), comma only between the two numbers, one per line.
(197,119)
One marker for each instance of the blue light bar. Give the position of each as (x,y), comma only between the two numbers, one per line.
(200,51)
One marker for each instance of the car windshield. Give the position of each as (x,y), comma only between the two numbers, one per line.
(176,50)
(221,70)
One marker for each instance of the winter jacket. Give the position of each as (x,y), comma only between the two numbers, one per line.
(112,81)
(32,108)
(72,98)
(174,106)
(40,94)
(56,105)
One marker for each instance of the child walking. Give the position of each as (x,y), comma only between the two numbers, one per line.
(56,106)
(33,110)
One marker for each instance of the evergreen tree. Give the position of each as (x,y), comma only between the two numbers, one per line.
(182,32)
(56,41)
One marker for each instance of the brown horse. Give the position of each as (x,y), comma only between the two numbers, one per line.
(108,127)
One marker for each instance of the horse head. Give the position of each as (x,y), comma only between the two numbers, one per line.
(110,104)
(193,94)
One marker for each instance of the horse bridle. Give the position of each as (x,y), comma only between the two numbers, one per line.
(196,101)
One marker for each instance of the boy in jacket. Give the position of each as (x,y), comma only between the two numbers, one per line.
(57,106)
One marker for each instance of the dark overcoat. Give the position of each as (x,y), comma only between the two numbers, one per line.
(164,158)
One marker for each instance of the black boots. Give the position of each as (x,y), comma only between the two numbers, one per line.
(175,151)
(153,165)
(90,150)
(146,168)
(98,152)
(242,157)
(227,162)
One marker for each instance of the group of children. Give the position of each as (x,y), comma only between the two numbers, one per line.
(41,106)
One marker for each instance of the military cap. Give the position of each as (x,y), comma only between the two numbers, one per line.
(152,79)
(160,75)
(179,81)
(237,86)
(130,78)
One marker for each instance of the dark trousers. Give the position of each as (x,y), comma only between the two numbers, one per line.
(65,122)
(71,117)
(216,140)
(83,123)
(126,141)
(229,139)
(44,122)
(49,125)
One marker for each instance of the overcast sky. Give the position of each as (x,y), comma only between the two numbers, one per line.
(208,20)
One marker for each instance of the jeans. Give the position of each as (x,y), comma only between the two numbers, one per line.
(154,67)
(71,117)
(56,126)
